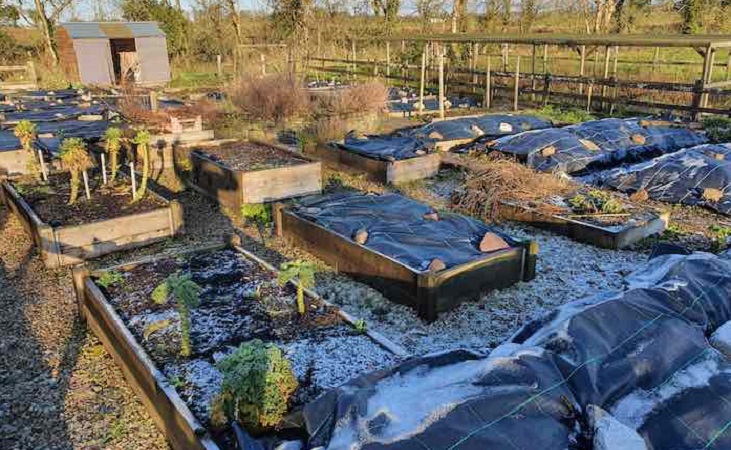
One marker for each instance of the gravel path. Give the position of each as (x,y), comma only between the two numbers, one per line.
(59,389)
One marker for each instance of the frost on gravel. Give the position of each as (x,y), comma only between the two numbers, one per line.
(566,271)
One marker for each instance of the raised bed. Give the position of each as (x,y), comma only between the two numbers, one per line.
(241,172)
(177,390)
(394,172)
(618,235)
(13,162)
(74,242)
(163,147)
(429,292)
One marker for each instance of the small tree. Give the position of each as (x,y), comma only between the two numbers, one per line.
(142,141)
(304,271)
(259,214)
(258,382)
(27,132)
(186,294)
(113,144)
(75,159)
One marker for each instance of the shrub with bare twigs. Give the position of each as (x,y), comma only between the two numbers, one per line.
(277,97)
(367,98)
(490,180)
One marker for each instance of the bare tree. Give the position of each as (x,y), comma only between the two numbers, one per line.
(44,15)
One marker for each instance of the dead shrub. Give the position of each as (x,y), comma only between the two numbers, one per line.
(494,179)
(359,99)
(328,129)
(134,106)
(276,97)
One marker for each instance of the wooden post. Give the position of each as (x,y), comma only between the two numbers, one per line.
(44,170)
(517,83)
(441,82)
(219,66)
(545,58)
(133,176)
(655,59)
(488,84)
(32,74)
(582,67)
(588,96)
(388,59)
(614,75)
(533,74)
(606,71)
(354,56)
(104,168)
(422,78)
(153,100)
(506,56)
(263,63)
(473,66)
(86,184)
(728,66)
(707,73)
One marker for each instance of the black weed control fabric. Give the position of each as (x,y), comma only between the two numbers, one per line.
(397,228)
(8,141)
(512,402)
(387,148)
(595,144)
(488,126)
(683,177)
(85,129)
(56,113)
(642,355)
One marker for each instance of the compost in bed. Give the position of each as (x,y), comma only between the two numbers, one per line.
(248,156)
(239,302)
(50,201)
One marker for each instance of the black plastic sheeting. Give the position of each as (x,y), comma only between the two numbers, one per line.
(387,147)
(641,354)
(595,144)
(512,402)
(488,126)
(63,94)
(8,141)
(397,228)
(431,104)
(681,177)
(84,129)
(65,112)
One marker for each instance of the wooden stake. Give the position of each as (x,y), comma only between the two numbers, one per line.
(86,185)
(582,66)
(219,66)
(655,59)
(606,70)
(441,82)
(104,168)
(588,97)
(488,83)
(134,180)
(44,171)
(263,63)
(517,83)
(422,79)
(153,101)
(354,56)
(388,59)
(533,74)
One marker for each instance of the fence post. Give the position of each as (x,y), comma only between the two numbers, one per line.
(546,88)
(488,82)
(153,100)
(354,55)
(423,76)
(441,82)
(533,74)
(32,72)
(582,67)
(219,66)
(517,83)
(388,59)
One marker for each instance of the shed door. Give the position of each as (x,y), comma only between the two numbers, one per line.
(153,55)
(94,58)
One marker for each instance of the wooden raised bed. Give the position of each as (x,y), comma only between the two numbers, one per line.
(163,146)
(393,172)
(428,293)
(73,244)
(14,162)
(168,410)
(234,188)
(612,237)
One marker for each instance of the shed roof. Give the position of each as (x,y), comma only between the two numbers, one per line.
(111,30)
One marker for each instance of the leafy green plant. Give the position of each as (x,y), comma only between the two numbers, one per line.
(259,214)
(361,326)
(109,278)
(142,141)
(154,327)
(720,235)
(186,294)
(75,159)
(258,383)
(718,129)
(565,115)
(27,132)
(304,271)
(112,145)
(595,202)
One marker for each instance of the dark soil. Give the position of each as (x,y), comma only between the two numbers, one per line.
(50,201)
(250,157)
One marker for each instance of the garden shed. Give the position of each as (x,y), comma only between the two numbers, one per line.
(109,53)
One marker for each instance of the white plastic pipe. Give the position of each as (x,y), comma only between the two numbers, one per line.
(86,185)
(134,180)
(104,168)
